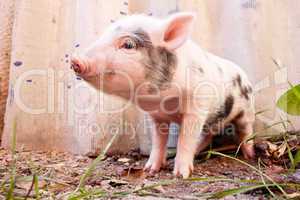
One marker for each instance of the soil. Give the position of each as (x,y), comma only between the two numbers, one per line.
(122,177)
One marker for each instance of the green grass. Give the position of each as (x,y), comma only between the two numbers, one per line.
(297,158)
(88,194)
(83,192)
(10,193)
(264,182)
(259,172)
(254,135)
(240,190)
(90,170)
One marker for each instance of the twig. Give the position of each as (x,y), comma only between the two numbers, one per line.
(221,149)
(30,189)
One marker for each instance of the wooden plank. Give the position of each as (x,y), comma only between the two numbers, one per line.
(6,20)
(46,97)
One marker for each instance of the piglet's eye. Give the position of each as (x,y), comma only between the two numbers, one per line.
(129,44)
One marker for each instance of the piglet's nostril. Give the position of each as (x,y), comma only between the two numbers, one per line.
(76,67)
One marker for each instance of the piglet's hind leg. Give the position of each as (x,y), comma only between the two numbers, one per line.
(244,130)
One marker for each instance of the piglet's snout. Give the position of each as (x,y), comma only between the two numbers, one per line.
(79,65)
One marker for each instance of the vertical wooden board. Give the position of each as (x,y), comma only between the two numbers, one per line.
(138,6)
(294,48)
(163,8)
(6,20)
(206,23)
(33,44)
(153,7)
(46,33)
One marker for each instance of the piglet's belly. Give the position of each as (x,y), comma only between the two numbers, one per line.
(162,109)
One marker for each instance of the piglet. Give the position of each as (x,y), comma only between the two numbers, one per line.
(154,64)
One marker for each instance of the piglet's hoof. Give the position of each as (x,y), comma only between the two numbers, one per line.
(248,151)
(154,166)
(183,168)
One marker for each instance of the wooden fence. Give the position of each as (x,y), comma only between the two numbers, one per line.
(38,37)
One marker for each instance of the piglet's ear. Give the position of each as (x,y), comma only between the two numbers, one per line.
(177,29)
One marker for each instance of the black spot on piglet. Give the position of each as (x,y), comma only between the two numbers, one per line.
(228,105)
(245,90)
(223,112)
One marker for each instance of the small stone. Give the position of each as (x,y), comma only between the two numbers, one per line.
(124,160)
(295,177)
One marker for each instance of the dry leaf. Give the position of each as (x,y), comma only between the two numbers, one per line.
(280,150)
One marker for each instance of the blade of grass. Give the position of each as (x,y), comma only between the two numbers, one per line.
(199,179)
(92,166)
(163,183)
(36,186)
(263,180)
(92,194)
(261,112)
(217,179)
(120,194)
(258,184)
(240,190)
(254,169)
(297,158)
(291,158)
(208,154)
(10,194)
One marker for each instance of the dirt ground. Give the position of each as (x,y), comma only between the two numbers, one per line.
(122,177)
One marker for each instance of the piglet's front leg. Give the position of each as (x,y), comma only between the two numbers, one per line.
(158,153)
(188,142)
